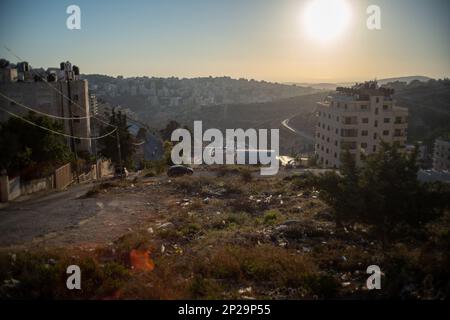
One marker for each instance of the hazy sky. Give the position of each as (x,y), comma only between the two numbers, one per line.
(260,39)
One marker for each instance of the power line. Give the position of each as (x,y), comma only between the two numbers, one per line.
(54,88)
(40,112)
(56,132)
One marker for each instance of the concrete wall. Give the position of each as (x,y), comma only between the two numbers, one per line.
(60,179)
(14,188)
(63,176)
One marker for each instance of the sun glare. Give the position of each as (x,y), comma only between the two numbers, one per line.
(325,20)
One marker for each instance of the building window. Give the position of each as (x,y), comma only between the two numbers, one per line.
(387,120)
(377,100)
(349,132)
(337,118)
(385,132)
(364,133)
(385,107)
(376,110)
(374,149)
(350,120)
(364,145)
(376,123)
(365,120)
(375,136)
(364,107)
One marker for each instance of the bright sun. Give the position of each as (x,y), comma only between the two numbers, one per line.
(325,20)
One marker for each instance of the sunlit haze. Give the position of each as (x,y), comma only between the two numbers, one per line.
(282,40)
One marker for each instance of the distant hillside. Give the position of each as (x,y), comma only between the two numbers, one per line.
(429,108)
(407,79)
(332,86)
(158,100)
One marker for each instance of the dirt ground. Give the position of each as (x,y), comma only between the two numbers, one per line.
(69,218)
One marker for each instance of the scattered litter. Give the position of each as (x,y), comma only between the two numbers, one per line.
(165,225)
(245,290)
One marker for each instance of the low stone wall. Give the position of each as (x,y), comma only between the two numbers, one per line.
(14,188)
(37,185)
(60,179)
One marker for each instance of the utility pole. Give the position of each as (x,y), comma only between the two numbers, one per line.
(72,139)
(119,151)
(93,101)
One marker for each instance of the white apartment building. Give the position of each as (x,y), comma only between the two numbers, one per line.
(357,119)
(47,93)
(441,155)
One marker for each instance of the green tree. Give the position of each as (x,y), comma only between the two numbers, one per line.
(340,191)
(24,145)
(384,192)
(392,194)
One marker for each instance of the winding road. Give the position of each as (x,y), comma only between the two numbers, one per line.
(285,123)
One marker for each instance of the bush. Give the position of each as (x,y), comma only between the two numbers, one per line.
(271,216)
(246,175)
(266,266)
(43,276)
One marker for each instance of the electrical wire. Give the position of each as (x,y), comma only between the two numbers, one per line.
(59,91)
(40,112)
(56,132)
(67,98)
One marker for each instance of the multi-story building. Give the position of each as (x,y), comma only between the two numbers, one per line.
(58,92)
(441,156)
(358,119)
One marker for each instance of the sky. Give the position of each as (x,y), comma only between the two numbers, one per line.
(254,39)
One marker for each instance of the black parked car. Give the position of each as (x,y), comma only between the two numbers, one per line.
(179,170)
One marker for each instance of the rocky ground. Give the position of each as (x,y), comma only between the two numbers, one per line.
(223,234)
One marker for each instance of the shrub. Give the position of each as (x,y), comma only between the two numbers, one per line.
(246,175)
(271,216)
